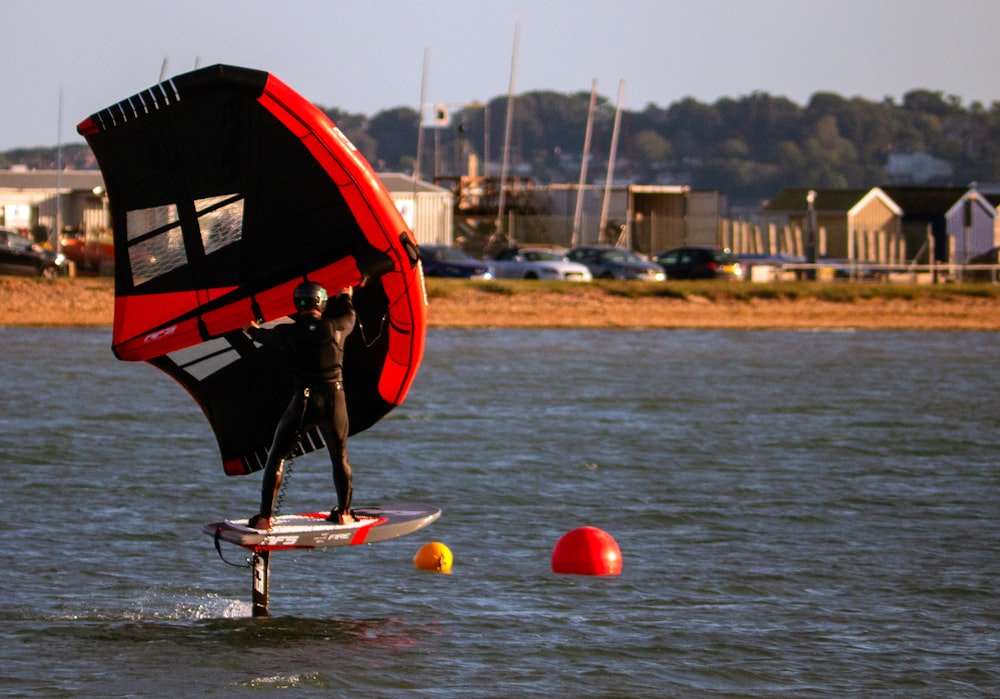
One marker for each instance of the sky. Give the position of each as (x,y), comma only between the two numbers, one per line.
(66,59)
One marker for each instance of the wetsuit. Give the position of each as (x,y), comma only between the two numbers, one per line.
(314,348)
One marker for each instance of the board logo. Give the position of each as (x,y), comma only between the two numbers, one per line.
(278,540)
(160,334)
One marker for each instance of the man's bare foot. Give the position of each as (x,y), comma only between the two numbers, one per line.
(338,517)
(260,522)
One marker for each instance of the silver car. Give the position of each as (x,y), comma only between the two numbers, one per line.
(539,263)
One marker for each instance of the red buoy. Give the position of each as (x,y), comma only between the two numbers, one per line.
(587,551)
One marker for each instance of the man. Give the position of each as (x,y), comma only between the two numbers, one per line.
(314,348)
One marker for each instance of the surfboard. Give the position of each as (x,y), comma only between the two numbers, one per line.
(312,530)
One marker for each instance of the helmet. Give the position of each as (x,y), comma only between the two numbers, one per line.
(310,295)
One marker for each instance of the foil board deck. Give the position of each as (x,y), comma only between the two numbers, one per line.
(312,530)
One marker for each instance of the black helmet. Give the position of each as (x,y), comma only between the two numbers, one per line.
(309,295)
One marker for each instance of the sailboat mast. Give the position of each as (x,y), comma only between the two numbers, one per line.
(506,141)
(611,158)
(59,169)
(420,120)
(583,166)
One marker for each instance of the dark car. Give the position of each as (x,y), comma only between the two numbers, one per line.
(609,262)
(699,262)
(20,255)
(446,261)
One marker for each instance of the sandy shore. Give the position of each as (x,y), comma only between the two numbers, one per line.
(592,308)
(88,302)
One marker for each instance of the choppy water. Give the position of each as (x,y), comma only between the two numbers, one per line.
(801,514)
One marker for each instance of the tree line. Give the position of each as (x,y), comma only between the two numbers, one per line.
(748,148)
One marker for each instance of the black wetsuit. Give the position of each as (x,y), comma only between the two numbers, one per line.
(314,348)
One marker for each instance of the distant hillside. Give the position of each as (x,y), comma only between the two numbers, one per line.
(77,156)
(749,148)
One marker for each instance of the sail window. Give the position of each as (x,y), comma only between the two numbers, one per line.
(139,222)
(155,256)
(156,245)
(220,220)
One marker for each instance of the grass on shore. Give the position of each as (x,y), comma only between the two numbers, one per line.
(721,290)
(712,290)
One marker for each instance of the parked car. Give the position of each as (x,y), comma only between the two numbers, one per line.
(539,263)
(609,262)
(446,261)
(20,255)
(699,262)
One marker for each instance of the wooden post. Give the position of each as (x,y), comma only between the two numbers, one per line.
(930,255)
(261,569)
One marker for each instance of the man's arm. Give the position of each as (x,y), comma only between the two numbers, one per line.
(341,312)
(345,319)
(259,334)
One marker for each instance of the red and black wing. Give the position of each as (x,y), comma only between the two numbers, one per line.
(227,189)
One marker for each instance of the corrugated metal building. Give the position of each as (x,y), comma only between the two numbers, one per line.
(655,217)
(28,200)
(426,208)
(665,217)
(32,199)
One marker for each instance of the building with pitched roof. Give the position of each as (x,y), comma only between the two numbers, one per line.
(852,224)
(953,223)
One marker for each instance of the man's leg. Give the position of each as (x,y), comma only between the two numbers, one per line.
(284,439)
(335,433)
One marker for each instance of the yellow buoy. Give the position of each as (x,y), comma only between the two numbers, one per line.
(434,556)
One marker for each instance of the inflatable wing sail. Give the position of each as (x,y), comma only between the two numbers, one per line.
(228,189)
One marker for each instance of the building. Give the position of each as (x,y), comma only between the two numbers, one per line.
(646,218)
(953,223)
(850,224)
(426,208)
(40,202)
(917,169)
(35,200)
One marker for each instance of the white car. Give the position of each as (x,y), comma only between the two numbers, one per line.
(538,263)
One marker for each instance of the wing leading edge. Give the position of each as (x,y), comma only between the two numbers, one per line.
(227,189)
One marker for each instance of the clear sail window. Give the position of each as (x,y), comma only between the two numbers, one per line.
(155,256)
(220,220)
(139,222)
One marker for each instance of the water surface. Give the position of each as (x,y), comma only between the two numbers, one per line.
(800,514)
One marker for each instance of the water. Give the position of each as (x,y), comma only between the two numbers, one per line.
(801,514)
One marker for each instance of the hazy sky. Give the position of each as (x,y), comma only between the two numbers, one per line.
(368,55)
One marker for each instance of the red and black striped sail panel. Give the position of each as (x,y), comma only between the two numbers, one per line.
(227,189)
